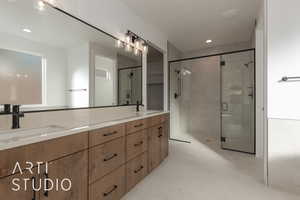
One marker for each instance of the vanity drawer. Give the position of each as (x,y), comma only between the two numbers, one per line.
(136,170)
(135,126)
(157,120)
(103,135)
(105,158)
(41,152)
(136,144)
(110,187)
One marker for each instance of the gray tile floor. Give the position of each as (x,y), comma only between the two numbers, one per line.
(204,171)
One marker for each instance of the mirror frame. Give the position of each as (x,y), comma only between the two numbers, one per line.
(89,107)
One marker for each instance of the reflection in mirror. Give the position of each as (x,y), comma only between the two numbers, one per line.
(155,79)
(50,60)
(129,79)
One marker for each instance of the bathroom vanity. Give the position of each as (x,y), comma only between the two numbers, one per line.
(103,161)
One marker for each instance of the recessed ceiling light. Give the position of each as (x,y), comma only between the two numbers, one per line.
(27,30)
(208,41)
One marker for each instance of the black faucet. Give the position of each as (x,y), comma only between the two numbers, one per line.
(16,114)
(137,106)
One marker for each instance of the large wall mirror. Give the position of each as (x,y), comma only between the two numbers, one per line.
(51,60)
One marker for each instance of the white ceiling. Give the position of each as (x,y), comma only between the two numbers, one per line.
(189,23)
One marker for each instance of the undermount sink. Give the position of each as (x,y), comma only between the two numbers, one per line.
(16,135)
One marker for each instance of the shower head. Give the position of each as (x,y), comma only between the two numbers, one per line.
(247,64)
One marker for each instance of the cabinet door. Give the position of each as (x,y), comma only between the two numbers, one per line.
(136,170)
(164,141)
(155,134)
(24,189)
(74,168)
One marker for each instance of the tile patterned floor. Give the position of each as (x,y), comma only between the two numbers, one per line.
(201,171)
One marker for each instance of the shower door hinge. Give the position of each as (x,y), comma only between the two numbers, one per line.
(223,139)
(222,63)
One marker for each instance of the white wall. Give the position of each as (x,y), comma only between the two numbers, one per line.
(56,65)
(283,57)
(173,52)
(283,48)
(78,76)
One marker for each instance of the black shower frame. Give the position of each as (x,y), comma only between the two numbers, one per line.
(212,55)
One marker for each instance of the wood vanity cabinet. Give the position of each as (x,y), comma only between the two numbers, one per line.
(158,143)
(105,158)
(101,164)
(7,186)
(136,170)
(73,168)
(67,158)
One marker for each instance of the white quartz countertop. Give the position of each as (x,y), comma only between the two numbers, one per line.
(14,138)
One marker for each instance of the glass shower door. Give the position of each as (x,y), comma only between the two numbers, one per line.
(237,102)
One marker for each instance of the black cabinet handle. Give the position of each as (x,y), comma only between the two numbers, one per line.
(108,193)
(139,144)
(160,131)
(46,193)
(109,158)
(112,133)
(139,169)
(139,125)
(33,181)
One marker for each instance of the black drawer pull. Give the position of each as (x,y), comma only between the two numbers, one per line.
(139,144)
(33,181)
(109,158)
(159,128)
(160,135)
(139,125)
(109,134)
(46,193)
(108,193)
(139,169)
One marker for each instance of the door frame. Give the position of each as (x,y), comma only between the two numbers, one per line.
(212,55)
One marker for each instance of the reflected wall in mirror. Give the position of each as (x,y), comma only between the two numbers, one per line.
(50,60)
(155,79)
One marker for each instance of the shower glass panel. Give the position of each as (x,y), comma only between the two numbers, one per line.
(237,102)
(195,99)
(130,87)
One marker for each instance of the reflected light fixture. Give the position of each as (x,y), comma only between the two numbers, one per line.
(128,47)
(27,30)
(119,43)
(127,39)
(133,42)
(136,51)
(137,44)
(208,41)
(145,48)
